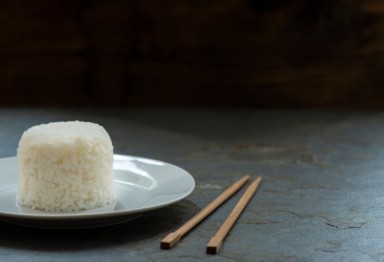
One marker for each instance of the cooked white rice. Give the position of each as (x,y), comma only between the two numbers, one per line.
(65,166)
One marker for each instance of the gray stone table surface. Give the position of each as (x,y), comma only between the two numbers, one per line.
(321,199)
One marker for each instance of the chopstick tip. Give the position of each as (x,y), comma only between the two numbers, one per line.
(170,240)
(214,245)
(165,245)
(211,250)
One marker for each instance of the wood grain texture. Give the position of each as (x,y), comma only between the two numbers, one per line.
(295,53)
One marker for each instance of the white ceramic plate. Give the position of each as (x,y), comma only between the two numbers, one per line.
(142,184)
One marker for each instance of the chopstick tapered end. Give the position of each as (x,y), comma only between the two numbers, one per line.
(214,245)
(170,240)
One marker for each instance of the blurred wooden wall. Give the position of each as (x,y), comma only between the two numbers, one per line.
(296,53)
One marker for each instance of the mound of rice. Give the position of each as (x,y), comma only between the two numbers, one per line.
(65,166)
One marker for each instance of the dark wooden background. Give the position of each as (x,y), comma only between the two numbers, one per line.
(257,53)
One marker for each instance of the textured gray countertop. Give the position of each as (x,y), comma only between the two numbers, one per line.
(322,197)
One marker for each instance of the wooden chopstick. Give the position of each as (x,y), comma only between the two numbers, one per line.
(171,239)
(216,241)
